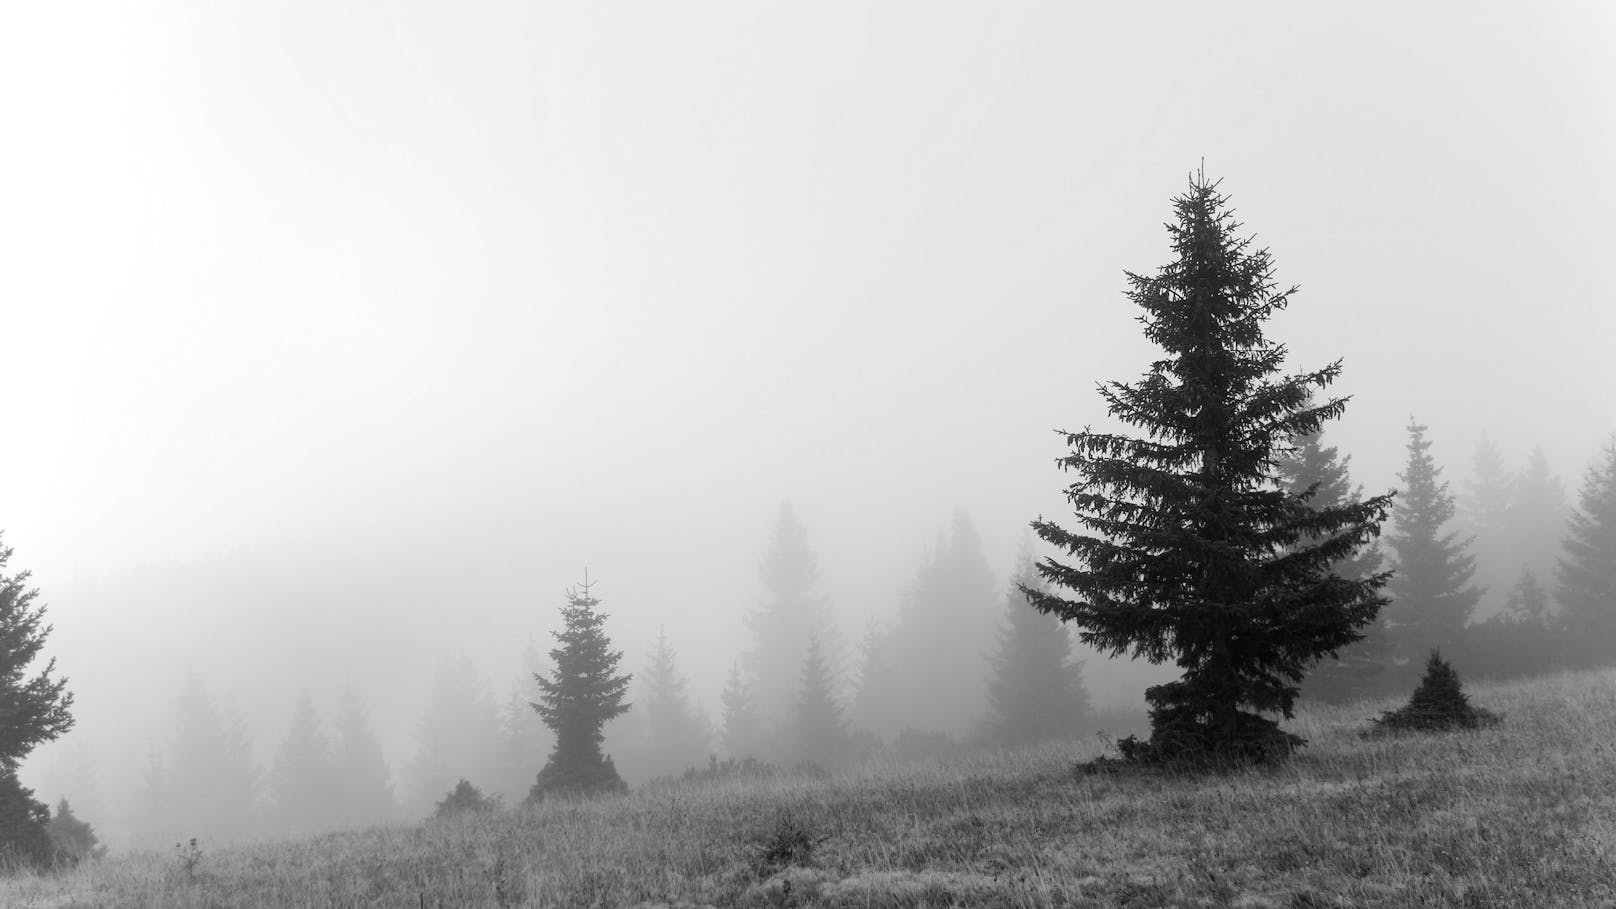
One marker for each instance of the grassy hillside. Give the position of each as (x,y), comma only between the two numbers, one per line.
(1523,814)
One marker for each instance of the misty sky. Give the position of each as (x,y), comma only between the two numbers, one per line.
(342,334)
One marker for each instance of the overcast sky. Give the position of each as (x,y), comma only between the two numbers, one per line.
(340,333)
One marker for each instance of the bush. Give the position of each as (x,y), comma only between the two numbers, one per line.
(1439,704)
(747,768)
(464,798)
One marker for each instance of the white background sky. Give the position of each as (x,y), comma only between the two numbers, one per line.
(342,333)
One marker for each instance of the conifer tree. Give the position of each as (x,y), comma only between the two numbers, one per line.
(33,710)
(793,612)
(1036,693)
(72,840)
(679,735)
(1191,551)
(1317,473)
(1537,515)
(209,787)
(578,699)
(1586,588)
(1485,512)
(1432,597)
(822,737)
(742,727)
(359,767)
(458,735)
(302,782)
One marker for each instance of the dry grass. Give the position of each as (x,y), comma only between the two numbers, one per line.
(1519,815)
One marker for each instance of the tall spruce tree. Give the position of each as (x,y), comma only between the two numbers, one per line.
(1193,552)
(581,695)
(1485,507)
(33,710)
(793,612)
(1318,474)
(302,782)
(1036,692)
(365,790)
(1432,596)
(1538,513)
(821,737)
(679,734)
(1586,588)
(742,730)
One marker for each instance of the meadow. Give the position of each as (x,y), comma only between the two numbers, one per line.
(1519,815)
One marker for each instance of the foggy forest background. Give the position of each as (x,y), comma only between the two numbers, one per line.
(344,348)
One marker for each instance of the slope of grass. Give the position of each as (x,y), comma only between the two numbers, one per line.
(1521,814)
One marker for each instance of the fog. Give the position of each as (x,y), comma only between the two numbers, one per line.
(343,341)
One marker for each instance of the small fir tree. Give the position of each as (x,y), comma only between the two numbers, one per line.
(35,709)
(1437,705)
(1191,551)
(822,736)
(1586,588)
(1432,597)
(464,798)
(72,840)
(1318,474)
(578,699)
(741,723)
(1036,693)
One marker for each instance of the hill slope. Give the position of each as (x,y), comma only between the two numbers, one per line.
(1522,814)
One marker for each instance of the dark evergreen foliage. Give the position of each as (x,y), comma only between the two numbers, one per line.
(1586,588)
(578,699)
(821,733)
(1317,473)
(1036,693)
(1439,704)
(742,726)
(464,798)
(33,710)
(1432,597)
(24,826)
(1192,551)
(72,840)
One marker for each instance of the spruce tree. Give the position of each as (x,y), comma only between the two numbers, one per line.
(679,735)
(1036,692)
(359,767)
(578,699)
(458,735)
(1432,597)
(302,783)
(793,612)
(33,710)
(1538,516)
(742,728)
(1317,473)
(821,732)
(1190,549)
(1586,588)
(1485,512)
